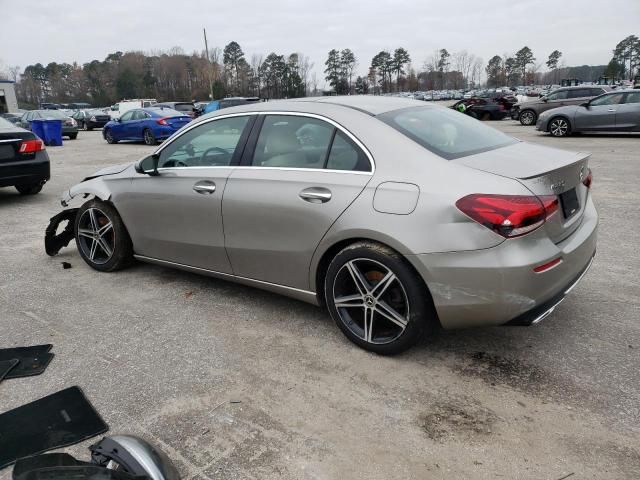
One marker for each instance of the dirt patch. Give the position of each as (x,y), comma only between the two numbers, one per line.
(515,373)
(458,418)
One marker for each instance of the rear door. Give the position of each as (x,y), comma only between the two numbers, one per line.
(299,173)
(600,115)
(628,113)
(176,216)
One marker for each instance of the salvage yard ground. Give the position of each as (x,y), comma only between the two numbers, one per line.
(234,382)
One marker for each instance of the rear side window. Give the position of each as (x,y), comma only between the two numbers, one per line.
(446,132)
(292,141)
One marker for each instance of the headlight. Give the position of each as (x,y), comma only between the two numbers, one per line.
(93,119)
(74,123)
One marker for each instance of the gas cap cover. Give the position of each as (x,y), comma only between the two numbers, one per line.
(398,198)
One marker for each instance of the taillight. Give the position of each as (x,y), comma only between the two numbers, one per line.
(508,215)
(586,181)
(31,146)
(163,121)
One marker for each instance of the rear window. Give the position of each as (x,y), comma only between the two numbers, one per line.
(184,107)
(446,132)
(167,112)
(56,114)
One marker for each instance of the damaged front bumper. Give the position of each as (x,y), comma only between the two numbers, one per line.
(54,241)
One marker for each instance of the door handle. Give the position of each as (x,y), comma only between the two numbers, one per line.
(204,187)
(315,195)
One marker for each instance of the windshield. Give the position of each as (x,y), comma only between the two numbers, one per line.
(446,132)
(95,112)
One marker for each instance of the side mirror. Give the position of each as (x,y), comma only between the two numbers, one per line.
(544,99)
(149,165)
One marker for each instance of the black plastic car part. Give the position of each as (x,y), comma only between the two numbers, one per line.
(62,466)
(54,242)
(55,421)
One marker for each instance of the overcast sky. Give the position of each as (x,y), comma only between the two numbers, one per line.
(71,30)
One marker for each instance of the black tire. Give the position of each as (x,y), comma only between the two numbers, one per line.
(486,116)
(73,136)
(30,189)
(109,138)
(149,137)
(527,117)
(118,252)
(559,127)
(89,127)
(406,294)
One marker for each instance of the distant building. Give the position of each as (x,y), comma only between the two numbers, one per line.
(8,100)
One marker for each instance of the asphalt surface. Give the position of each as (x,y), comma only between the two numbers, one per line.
(234,382)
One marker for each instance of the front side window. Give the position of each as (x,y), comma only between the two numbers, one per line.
(558,95)
(611,99)
(211,144)
(445,132)
(633,97)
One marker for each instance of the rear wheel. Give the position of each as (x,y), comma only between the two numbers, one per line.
(149,137)
(108,136)
(376,298)
(29,189)
(559,127)
(73,136)
(101,237)
(527,117)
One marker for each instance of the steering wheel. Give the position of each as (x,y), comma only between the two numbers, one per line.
(213,149)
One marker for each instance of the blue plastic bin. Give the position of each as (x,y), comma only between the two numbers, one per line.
(37,127)
(52,132)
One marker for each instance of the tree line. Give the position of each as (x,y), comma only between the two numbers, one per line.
(176,75)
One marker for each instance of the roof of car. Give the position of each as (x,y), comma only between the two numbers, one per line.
(368,104)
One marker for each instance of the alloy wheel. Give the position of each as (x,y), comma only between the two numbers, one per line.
(96,236)
(526,118)
(148,137)
(559,127)
(371,301)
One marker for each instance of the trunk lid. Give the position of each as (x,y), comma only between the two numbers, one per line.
(178,122)
(544,171)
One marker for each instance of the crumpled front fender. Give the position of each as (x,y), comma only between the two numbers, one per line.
(96,187)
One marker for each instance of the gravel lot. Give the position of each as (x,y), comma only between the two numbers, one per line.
(234,382)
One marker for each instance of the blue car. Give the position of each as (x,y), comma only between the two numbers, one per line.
(150,125)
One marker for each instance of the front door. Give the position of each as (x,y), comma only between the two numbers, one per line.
(600,115)
(297,177)
(177,215)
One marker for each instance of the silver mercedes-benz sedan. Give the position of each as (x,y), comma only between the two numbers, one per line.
(397,215)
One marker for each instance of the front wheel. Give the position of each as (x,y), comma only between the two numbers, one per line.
(559,127)
(376,298)
(149,137)
(527,117)
(73,136)
(101,237)
(108,136)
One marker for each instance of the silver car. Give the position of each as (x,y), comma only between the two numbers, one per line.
(397,215)
(617,111)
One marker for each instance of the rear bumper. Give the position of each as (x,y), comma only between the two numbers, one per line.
(68,130)
(498,286)
(25,172)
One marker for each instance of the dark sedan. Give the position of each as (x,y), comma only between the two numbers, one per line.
(24,163)
(90,119)
(69,125)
